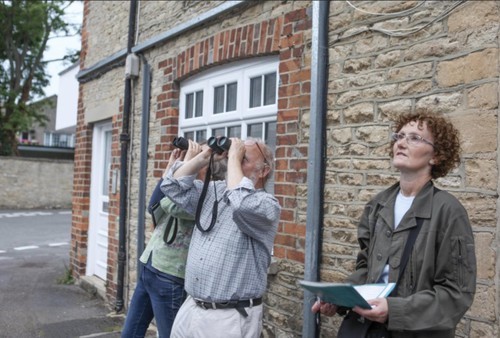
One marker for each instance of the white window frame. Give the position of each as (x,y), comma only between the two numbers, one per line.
(240,72)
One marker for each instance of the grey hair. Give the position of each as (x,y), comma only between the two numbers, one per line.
(219,170)
(268,155)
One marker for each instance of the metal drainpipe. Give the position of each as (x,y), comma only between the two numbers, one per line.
(125,141)
(146,91)
(317,158)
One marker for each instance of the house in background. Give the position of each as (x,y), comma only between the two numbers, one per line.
(67,106)
(320,82)
(57,137)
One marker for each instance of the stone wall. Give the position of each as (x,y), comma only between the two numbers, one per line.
(35,183)
(378,69)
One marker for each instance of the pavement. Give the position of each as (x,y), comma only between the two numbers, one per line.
(35,301)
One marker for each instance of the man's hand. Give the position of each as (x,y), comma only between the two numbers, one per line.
(324,308)
(378,313)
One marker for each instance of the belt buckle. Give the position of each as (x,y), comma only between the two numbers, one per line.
(200,303)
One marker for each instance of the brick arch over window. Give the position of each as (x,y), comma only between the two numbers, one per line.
(284,36)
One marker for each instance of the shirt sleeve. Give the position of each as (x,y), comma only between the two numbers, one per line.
(172,209)
(183,191)
(255,212)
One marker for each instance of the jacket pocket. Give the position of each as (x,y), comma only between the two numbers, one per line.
(464,263)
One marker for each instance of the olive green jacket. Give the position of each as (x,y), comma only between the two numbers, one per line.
(438,284)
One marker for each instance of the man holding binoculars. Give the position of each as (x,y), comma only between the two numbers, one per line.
(230,251)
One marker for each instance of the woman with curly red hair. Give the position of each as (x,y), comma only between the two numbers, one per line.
(437,285)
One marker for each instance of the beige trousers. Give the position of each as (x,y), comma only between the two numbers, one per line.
(193,321)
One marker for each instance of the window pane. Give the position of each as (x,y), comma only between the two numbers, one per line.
(269,89)
(231,96)
(234,131)
(189,135)
(219,132)
(218,99)
(270,137)
(199,104)
(255,92)
(189,106)
(255,130)
(107,163)
(201,136)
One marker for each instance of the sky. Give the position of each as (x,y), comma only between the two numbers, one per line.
(58,48)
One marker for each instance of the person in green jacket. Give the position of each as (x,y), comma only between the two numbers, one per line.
(437,285)
(159,292)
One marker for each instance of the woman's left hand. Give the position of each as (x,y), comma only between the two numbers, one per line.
(378,313)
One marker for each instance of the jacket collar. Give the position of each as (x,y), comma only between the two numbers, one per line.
(421,206)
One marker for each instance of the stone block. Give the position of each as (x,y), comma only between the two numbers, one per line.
(380,92)
(414,71)
(483,306)
(414,87)
(431,49)
(357,65)
(341,135)
(359,113)
(440,103)
(483,97)
(371,134)
(480,139)
(481,174)
(485,13)
(482,330)
(390,110)
(466,69)
(485,255)
(388,59)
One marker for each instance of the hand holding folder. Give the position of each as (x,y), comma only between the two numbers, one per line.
(348,295)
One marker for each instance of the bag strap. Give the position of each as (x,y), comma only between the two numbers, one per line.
(201,201)
(412,237)
(171,221)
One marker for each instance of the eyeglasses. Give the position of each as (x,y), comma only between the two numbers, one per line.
(411,139)
(251,142)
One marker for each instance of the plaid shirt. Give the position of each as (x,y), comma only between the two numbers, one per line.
(229,262)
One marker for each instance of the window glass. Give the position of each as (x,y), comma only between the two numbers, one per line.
(201,136)
(219,132)
(218,99)
(189,135)
(255,91)
(234,131)
(255,130)
(199,104)
(231,96)
(107,162)
(189,105)
(269,89)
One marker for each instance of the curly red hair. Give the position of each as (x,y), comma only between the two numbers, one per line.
(446,140)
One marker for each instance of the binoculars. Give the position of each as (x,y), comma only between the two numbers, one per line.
(219,144)
(181,143)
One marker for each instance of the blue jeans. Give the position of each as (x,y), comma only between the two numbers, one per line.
(154,296)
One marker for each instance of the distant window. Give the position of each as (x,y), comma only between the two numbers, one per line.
(59,140)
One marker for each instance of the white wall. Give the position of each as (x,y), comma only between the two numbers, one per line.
(67,98)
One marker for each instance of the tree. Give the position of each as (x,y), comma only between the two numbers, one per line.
(25,28)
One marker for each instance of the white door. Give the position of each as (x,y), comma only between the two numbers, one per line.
(97,253)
